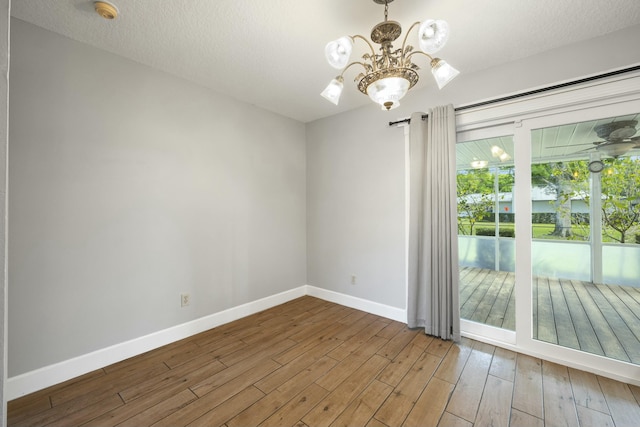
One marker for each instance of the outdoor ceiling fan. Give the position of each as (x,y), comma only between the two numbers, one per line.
(618,138)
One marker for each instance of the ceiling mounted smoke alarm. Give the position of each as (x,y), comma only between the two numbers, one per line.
(106,10)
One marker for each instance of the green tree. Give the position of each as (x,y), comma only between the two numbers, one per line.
(475,187)
(563,180)
(621,198)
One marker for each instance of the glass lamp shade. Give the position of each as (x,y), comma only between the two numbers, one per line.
(443,72)
(333,91)
(338,52)
(388,91)
(617,149)
(432,35)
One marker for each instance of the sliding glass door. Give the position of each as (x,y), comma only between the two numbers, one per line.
(585,247)
(485,180)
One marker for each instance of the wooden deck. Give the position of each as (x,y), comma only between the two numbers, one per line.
(598,319)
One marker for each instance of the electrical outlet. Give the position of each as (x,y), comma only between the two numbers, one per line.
(185,300)
(353,279)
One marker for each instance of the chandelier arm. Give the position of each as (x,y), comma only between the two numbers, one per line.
(406,36)
(349,66)
(358,36)
(420,52)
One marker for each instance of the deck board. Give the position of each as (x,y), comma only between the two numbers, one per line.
(598,319)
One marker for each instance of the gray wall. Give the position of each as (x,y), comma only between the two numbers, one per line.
(129,186)
(355,166)
(4,100)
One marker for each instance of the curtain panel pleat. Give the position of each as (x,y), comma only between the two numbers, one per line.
(433,300)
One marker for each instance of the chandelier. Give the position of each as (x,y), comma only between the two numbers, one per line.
(389,75)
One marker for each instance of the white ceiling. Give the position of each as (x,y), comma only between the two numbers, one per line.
(271,53)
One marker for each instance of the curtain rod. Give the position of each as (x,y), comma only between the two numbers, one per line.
(532,92)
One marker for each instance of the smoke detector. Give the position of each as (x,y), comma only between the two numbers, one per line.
(106,10)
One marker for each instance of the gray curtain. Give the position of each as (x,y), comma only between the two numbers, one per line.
(433,300)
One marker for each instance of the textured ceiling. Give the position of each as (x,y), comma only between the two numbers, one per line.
(270,54)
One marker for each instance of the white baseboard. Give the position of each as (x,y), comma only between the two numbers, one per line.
(378,309)
(29,382)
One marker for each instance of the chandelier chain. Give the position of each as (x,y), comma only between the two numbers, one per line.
(386,9)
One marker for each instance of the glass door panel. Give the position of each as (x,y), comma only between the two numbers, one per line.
(485,179)
(585,224)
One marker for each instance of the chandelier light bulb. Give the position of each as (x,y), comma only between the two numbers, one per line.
(388,91)
(443,72)
(338,52)
(432,35)
(333,91)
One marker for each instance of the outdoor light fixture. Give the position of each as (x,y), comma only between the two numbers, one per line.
(479,164)
(389,75)
(500,153)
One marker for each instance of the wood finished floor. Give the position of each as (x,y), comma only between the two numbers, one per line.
(598,319)
(313,363)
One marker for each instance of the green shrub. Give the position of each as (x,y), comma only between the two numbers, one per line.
(485,232)
(507,232)
(504,232)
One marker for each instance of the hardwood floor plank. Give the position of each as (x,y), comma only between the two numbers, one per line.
(454,361)
(143,402)
(332,406)
(361,410)
(622,404)
(166,379)
(296,408)
(77,416)
(396,408)
(397,343)
(527,393)
(397,369)
(216,396)
(322,338)
(274,400)
(503,364)
(589,417)
(450,420)
(354,327)
(342,371)
(228,408)
(429,407)
(297,365)
(439,347)
(238,369)
(25,407)
(522,419)
(586,390)
(559,405)
(95,388)
(495,405)
(467,394)
(355,341)
(160,410)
